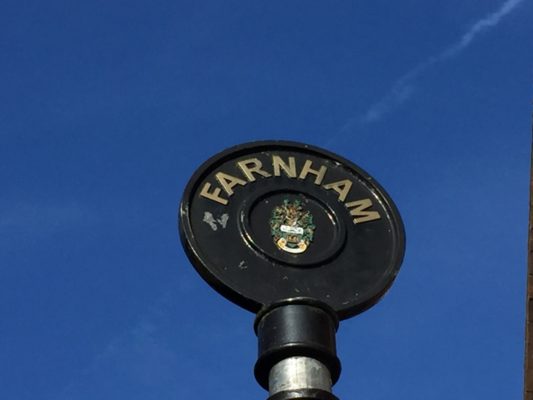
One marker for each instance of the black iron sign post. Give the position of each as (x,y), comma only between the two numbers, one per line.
(299,236)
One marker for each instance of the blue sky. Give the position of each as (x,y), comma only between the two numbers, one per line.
(107,107)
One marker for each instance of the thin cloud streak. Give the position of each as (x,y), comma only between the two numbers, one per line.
(402,90)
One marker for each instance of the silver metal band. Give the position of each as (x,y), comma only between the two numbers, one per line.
(298,373)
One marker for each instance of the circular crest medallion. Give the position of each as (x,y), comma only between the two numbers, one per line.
(270,221)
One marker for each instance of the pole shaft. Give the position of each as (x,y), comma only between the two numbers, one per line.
(528,359)
(295,373)
(297,354)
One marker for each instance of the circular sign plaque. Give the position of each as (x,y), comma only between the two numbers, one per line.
(271,221)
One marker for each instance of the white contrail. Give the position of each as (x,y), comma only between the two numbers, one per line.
(403,88)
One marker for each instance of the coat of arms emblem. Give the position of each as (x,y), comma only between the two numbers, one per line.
(292,227)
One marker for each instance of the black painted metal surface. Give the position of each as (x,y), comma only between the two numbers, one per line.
(296,328)
(351,235)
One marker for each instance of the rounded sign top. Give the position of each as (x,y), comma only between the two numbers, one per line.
(269,221)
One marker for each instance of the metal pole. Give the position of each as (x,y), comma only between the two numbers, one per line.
(528,359)
(297,352)
(295,373)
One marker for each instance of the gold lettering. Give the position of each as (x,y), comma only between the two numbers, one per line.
(228,182)
(214,195)
(248,170)
(359,210)
(307,170)
(341,187)
(278,164)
